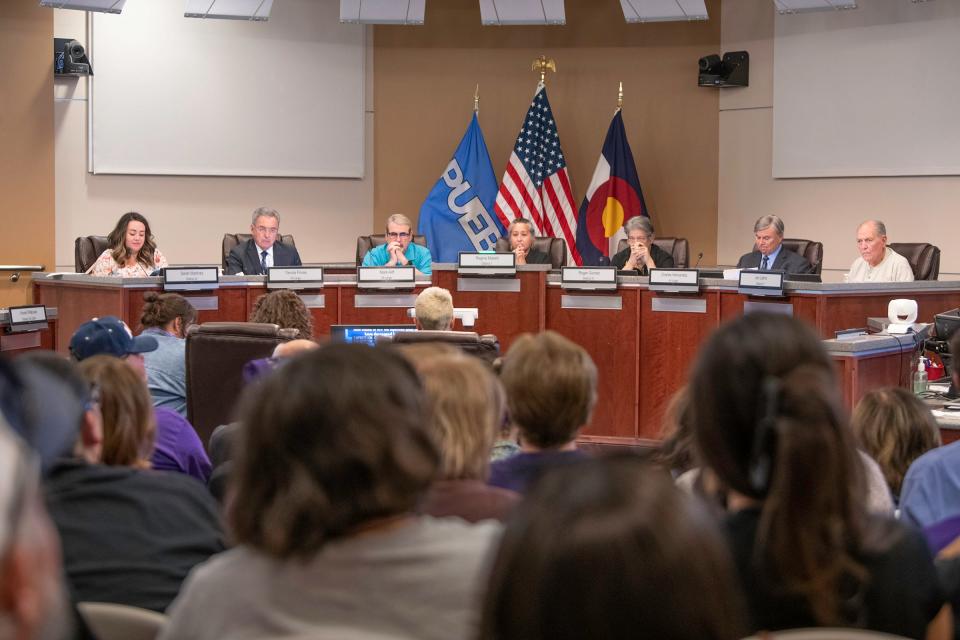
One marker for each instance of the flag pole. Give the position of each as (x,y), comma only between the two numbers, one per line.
(542,65)
(620,97)
(476,99)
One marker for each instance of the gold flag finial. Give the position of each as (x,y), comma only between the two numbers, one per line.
(476,99)
(543,64)
(620,96)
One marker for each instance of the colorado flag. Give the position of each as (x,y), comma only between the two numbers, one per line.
(613,197)
(456,216)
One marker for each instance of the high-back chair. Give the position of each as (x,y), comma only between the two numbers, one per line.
(809,249)
(486,347)
(556,248)
(924,258)
(230,240)
(86,250)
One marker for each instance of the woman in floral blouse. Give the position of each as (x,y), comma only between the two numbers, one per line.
(133,251)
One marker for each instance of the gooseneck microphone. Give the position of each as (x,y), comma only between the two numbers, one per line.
(699,258)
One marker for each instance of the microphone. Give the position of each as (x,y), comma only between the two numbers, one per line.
(699,258)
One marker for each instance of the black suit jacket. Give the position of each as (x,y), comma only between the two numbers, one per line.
(245,257)
(786,261)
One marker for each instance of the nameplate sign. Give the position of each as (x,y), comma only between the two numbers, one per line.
(675,280)
(190,278)
(761,283)
(294,277)
(589,278)
(487,264)
(31,317)
(386,277)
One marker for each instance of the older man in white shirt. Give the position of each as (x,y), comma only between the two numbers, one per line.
(877,261)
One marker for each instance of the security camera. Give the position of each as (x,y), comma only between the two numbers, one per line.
(70,57)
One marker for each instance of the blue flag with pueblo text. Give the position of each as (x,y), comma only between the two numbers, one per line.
(458,213)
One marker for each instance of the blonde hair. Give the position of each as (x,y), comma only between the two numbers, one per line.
(434,307)
(399,218)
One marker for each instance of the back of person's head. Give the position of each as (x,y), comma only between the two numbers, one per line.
(676,451)
(768,422)
(336,438)
(466,411)
(551,386)
(895,428)
(609,548)
(129,426)
(283,307)
(160,309)
(434,309)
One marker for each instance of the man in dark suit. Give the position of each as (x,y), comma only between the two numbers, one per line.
(263,250)
(768,254)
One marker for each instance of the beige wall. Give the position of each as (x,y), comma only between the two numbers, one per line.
(425,77)
(921,209)
(189,215)
(26,142)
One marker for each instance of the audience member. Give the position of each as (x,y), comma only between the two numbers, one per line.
(129,535)
(133,251)
(877,261)
(608,548)
(465,415)
(177,447)
(551,386)
(769,253)
(768,422)
(894,427)
(434,309)
(166,317)
(676,450)
(399,250)
(641,254)
(521,235)
(285,309)
(264,249)
(335,452)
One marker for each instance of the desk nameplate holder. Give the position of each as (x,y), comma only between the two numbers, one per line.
(31,317)
(295,278)
(191,278)
(761,283)
(675,280)
(486,265)
(386,278)
(588,278)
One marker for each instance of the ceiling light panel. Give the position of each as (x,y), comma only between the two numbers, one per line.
(382,11)
(101,6)
(663,10)
(229,9)
(507,12)
(799,6)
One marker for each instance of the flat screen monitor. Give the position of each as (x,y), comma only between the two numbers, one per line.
(946,323)
(366,333)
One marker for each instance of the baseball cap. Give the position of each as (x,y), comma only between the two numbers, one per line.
(108,336)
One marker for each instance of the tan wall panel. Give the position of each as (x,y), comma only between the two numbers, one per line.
(424,79)
(26,132)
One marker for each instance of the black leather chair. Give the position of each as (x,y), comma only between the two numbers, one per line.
(924,258)
(679,248)
(486,347)
(809,249)
(556,248)
(230,240)
(86,250)
(365,243)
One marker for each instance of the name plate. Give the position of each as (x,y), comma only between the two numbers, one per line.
(675,280)
(190,278)
(487,264)
(761,283)
(294,277)
(31,317)
(385,277)
(589,278)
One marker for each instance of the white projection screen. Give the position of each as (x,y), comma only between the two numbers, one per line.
(873,91)
(187,96)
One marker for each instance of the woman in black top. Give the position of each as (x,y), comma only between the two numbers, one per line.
(521,235)
(641,254)
(769,424)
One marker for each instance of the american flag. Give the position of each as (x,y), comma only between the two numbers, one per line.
(536,185)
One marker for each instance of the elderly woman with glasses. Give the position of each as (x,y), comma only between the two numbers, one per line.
(399,251)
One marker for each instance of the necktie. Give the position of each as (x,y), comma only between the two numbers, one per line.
(763,265)
(263,261)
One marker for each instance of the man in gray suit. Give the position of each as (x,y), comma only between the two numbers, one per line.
(264,249)
(768,254)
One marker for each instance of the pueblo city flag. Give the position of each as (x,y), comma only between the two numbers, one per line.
(456,216)
(613,197)
(536,185)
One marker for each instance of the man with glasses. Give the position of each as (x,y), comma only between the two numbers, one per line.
(263,250)
(399,251)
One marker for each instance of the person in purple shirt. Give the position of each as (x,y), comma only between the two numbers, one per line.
(178,448)
(551,386)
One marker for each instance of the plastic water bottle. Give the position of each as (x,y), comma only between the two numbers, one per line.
(920,378)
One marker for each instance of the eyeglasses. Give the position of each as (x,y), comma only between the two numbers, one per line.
(403,235)
(270,231)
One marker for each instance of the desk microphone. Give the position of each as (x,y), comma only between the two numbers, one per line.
(699,258)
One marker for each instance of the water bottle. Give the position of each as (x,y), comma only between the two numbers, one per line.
(920,378)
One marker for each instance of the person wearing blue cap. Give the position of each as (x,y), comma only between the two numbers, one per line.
(178,448)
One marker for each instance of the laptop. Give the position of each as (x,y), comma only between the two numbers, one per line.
(366,333)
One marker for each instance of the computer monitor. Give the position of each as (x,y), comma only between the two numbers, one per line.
(946,323)
(366,333)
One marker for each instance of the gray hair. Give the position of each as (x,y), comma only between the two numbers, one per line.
(399,218)
(639,223)
(880,228)
(529,224)
(434,309)
(265,212)
(769,221)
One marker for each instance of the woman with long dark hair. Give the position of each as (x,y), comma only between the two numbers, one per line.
(132,252)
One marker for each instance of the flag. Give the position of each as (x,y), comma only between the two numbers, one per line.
(456,215)
(613,197)
(536,185)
